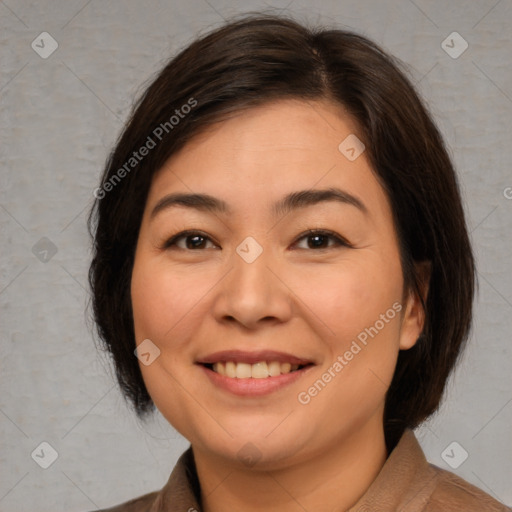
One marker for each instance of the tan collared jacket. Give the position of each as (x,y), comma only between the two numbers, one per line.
(406,483)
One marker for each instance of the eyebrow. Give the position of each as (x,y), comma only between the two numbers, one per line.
(292,201)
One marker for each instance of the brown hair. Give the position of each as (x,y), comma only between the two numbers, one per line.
(257,59)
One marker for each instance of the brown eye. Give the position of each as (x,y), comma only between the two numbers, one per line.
(320,239)
(193,240)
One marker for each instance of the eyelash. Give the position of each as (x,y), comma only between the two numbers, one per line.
(339,241)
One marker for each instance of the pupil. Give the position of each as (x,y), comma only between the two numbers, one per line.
(193,239)
(317,237)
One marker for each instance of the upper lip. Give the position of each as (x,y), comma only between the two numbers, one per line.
(242,356)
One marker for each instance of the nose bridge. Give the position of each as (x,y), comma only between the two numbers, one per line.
(250,273)
(251,291)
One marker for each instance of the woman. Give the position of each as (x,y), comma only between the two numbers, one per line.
(282,267)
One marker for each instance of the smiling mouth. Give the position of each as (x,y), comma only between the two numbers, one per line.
(259,370)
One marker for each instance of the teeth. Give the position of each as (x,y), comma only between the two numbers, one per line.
(219,368)
(243,371)
(274,368)
(259,370)
(230,369)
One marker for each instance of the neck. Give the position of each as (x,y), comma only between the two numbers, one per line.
(331,480)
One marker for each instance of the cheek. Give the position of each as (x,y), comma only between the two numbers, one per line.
(364,314)
(169,305)
(359,302)
(149,303)
(349,297)
(161,299)
(166,309)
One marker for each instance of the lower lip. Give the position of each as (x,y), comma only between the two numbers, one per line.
(254,387)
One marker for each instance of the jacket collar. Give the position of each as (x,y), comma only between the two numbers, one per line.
(405,482)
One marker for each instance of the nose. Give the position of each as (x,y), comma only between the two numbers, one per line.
(253,294)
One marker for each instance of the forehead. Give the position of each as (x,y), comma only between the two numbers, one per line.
(264,152)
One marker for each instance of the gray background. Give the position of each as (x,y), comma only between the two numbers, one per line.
(59,118)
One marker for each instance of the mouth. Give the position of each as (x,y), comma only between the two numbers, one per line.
(259,370)
(253,373)
(261,364)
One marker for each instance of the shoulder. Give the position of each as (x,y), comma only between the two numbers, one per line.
(408,482)
(140,504)
(453,494)
(180,491)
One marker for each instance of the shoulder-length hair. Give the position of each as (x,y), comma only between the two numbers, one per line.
(254,60)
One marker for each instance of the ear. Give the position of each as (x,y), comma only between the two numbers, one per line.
(413,319)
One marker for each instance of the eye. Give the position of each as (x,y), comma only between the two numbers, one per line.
(320,239)
(193,240)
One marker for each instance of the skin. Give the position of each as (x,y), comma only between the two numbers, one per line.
(294,298)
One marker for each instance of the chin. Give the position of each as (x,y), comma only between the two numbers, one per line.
(263,444)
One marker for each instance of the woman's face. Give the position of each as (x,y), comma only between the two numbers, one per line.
(233,307)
